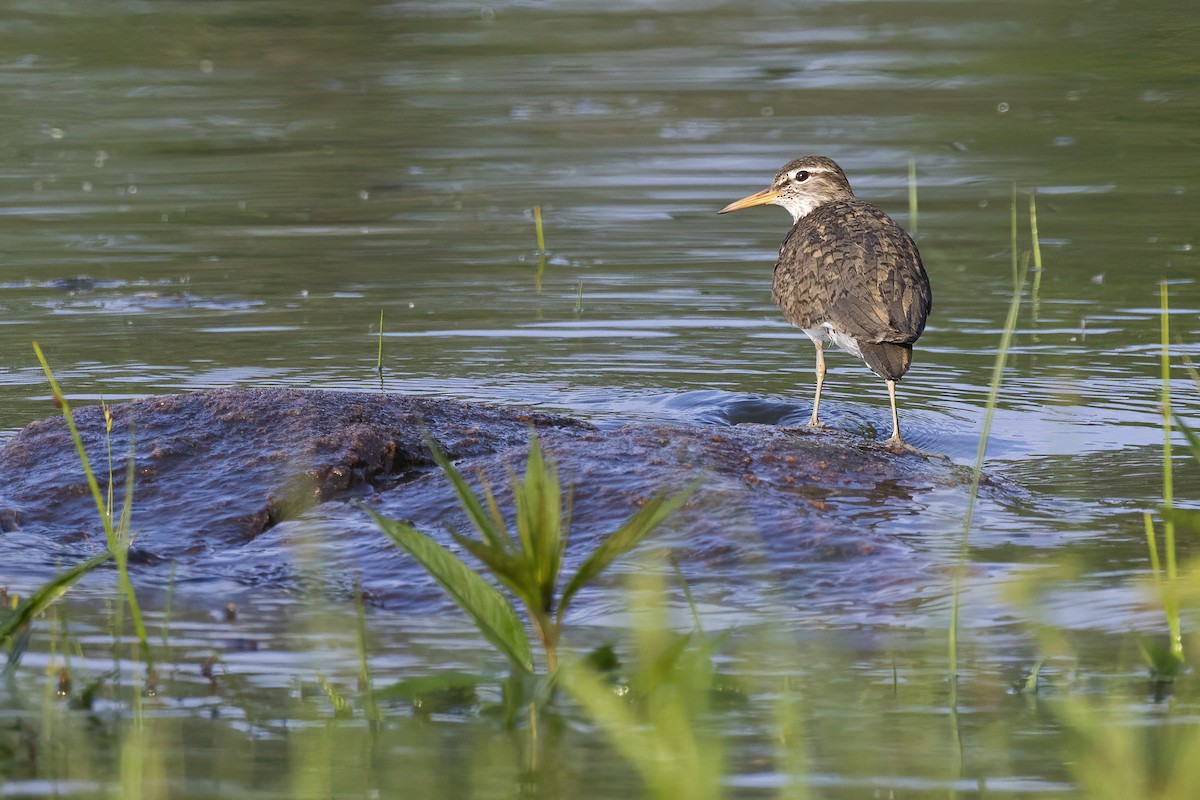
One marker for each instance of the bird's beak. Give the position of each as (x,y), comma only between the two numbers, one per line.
(767,195)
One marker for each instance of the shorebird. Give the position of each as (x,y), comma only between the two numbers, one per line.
(847,274)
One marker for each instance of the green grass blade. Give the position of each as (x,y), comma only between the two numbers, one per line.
(1171,605)
(998,366)
(1186,518)
(537,226)
(1013,242)
(489,525)
(631,738)
(366,680)
(483,603)
(93,485)
(1152,546)
(379,355)
(124,538)
(1193,439)
(1033,235)
(624,539)
(46,594)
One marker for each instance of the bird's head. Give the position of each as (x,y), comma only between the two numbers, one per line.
(802,185)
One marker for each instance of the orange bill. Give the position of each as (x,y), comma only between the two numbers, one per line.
(756,199)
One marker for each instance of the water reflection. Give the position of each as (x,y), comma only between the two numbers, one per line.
(238,207)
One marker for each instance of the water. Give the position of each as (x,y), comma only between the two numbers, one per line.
(198,195)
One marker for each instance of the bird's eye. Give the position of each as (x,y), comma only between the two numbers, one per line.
(801,177)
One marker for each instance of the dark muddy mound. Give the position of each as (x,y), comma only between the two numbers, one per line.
(248,491)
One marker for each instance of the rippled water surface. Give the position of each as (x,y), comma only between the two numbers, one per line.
(212,194)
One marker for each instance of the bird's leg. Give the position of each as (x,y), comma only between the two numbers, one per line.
(895,437)
(814,422)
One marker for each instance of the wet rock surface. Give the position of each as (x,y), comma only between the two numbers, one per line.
(256,490)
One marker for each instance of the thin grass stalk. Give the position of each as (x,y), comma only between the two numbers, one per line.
(1013,240)
(1037,252)
(912,195)
(541,248)
(93,485)
(1033,234)
(537,226)
(117,537)
(1152,546)
(108,422)
(1171,599)
(1010,324)
(379,355)
(365,679)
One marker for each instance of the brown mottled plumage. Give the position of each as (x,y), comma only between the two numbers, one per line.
(847,274)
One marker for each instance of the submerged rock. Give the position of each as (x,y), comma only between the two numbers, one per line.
(250,490)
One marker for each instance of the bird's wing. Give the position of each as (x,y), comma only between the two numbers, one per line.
(865,270)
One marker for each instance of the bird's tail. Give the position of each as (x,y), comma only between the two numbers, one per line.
(888,360)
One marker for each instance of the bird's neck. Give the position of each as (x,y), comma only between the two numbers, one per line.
(800,207)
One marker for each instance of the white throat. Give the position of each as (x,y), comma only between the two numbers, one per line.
(797,206)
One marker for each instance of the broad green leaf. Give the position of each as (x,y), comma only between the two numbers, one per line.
(1192,437)
(508,569)
(539,522)
(483,603)
(485,524)
(37,602)
(416,688)
(624,539)
(501,526)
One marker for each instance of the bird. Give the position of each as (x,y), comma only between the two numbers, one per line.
(847,274)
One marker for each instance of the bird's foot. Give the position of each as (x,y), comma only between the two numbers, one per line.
(901,447)
(815,424)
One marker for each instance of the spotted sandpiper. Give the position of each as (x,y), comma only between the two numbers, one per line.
(847,274)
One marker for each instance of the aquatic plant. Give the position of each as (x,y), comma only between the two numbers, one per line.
(528,563)
(1165,662)
(655,719)
(118,534)
(537,226)
(998,366)
(1036,244)
(379,354)
(541,248)
(16,618)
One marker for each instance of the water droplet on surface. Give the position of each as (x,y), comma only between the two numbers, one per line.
(1002,107)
